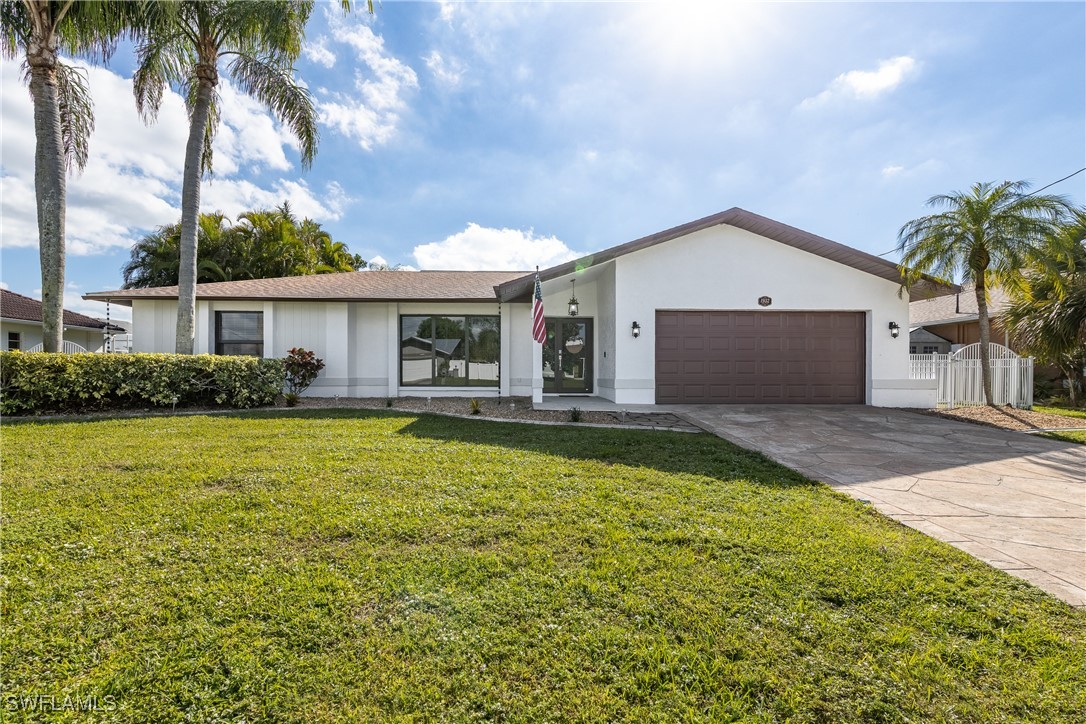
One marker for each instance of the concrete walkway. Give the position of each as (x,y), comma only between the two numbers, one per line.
(1015,501)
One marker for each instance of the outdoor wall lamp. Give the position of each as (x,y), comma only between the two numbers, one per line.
(574,305)
(635,330)
(895,329)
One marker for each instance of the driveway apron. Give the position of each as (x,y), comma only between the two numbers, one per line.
(1015,501)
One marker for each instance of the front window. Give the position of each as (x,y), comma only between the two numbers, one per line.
(15,340)
(449,351)
(239,333)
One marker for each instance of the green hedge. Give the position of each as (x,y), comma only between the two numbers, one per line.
(40,382)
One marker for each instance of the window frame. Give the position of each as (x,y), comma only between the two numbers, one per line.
(465,321)
(220,343)
(18,341)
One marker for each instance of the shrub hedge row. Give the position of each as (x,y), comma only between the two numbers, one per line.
(40,382)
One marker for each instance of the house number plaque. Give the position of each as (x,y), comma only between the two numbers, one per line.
(765,301)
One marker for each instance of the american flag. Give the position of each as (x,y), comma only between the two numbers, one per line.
(539,325)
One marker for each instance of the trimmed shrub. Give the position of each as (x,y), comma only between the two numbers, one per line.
(41,382)
(302,367)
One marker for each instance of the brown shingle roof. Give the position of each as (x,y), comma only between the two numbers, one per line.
(17,306)
(961,307)
(742,219)
(366,286)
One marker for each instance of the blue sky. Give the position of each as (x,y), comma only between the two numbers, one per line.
(500,135)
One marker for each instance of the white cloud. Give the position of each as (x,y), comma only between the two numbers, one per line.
(133,177)
(130,180)
(894,171)
(234,196)
(865,84)
(481,248)
(5,285)
(448,11)
(447,71)
(371,114)
(318,52)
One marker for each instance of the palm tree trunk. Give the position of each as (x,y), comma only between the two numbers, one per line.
(190,213)
(985,339)
(49,187)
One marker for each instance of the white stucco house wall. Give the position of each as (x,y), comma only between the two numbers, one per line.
(732,308)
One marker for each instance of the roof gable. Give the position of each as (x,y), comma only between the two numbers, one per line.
(740,219)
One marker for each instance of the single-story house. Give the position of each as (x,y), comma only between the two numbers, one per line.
(944,323)
(20,325)
(731,308)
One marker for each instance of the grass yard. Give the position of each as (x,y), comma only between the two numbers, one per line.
(343,566)
(1065,411)
(1078,436)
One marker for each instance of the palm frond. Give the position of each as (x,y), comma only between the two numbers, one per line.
(273,84)
(76,114)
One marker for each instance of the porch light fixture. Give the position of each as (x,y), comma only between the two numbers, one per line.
(635,330)
(574,305)
(895,329)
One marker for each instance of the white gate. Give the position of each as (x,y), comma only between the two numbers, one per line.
(69,348)
(960,382)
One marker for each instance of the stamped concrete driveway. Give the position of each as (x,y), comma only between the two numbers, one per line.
(1015,501)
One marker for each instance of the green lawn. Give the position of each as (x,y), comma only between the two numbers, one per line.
(1078,436)
(339,565)
(1065,411)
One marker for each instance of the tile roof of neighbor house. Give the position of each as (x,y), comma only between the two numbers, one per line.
(18,307)
(960,307)
(518,289)
(364,286)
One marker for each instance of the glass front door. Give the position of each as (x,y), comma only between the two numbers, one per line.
(567,356)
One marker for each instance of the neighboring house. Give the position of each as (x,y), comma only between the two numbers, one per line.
(944,323)
(732,308)
(20,325)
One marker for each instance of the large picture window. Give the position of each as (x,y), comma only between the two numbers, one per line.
(449,351)
(240,333)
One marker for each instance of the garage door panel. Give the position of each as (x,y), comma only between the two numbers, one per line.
(751,357)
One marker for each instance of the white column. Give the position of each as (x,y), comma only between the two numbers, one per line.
(537,370)
(393,349)
(269,332)
(205,332)
(505,352)
(336,354)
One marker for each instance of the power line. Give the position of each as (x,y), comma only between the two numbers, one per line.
(1070,175)
(1076,173)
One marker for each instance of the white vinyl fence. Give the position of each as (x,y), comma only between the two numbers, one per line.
(69,348)
(960,381)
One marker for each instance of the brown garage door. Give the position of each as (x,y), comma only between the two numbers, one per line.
(760,357)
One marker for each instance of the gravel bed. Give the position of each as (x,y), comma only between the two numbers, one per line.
(511,408)
(1009,418)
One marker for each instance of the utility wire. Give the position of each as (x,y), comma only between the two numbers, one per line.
(1076,173)
(1070,175)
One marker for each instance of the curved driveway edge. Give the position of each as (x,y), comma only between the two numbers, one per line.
(1015,501)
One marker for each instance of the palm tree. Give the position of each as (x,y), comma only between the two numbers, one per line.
(262,244)
(262,41)
(986,235)
(1047,314)
(155,260)
(39,31)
